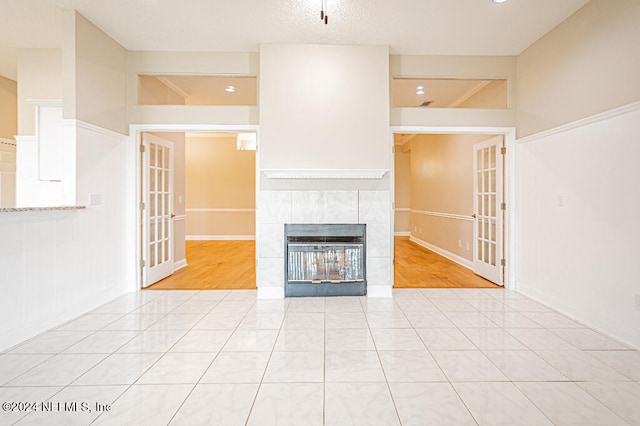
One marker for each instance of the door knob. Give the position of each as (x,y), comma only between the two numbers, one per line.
(473,215)
(172,215)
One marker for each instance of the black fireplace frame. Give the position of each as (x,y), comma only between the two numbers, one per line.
(319,235)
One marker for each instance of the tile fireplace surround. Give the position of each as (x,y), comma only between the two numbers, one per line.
(276,208)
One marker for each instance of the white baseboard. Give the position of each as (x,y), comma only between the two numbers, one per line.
(402,234)
(220,237)
(621,333)
(270,293)
(17,336)
(378,291)
(182,263)
(442,252)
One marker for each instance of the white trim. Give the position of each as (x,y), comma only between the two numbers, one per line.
(402,234)
(465,96)
(180,217)
(220,210)
(93,128)
(403,210)
(164,80)
(220,237)
(582,122)
(45,102)
(379,291)
(442,252)
(25,138)
(599,324)
(270,293)
(182,263)
(325,173)
(447,215)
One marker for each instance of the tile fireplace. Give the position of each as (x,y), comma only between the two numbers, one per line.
(325,260)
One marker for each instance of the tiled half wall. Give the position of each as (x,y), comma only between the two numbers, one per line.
(275,208)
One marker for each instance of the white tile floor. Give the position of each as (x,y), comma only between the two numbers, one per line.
(428,356)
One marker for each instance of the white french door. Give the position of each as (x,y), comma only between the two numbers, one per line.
(157,208)
(489,215)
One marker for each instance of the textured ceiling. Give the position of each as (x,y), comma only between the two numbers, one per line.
(434,27)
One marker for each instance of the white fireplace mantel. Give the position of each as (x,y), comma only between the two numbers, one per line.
(325,173)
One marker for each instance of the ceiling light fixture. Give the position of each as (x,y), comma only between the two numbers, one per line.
(323,12)
(230,89)
(499,1)
(420,90)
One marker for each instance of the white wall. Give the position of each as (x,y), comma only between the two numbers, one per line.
(56,265)
(577,227)
(324,107)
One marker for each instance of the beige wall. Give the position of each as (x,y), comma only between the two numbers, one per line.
(219,178)
(324,107)
(588,64)
(8,108)
(39,77)
(402,193)
(442,182)
(97,66)
(493,95)
(154,92)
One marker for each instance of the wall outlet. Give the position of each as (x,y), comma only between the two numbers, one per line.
(460,243)
(467,246)
(560,201)
(415,229)
(637,299)
(179,199)
(95,199)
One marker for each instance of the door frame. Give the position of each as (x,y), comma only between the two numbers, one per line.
(510,176)
(135,138)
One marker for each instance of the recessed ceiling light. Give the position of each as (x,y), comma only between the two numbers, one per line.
(230,89)
(420,92)
(420,87)
(499,1)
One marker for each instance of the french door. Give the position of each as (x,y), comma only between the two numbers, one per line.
(488,205)
(157,208)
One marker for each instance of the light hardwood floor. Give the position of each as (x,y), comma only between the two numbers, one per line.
(214,265)
(417,267)
(231,265)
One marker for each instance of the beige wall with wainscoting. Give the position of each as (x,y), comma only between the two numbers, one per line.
(97,66)
(588,64)
(219,189)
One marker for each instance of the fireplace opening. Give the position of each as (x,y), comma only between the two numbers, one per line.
(325,260)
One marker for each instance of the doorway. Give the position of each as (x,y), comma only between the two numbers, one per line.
(447,231)
(205,239)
